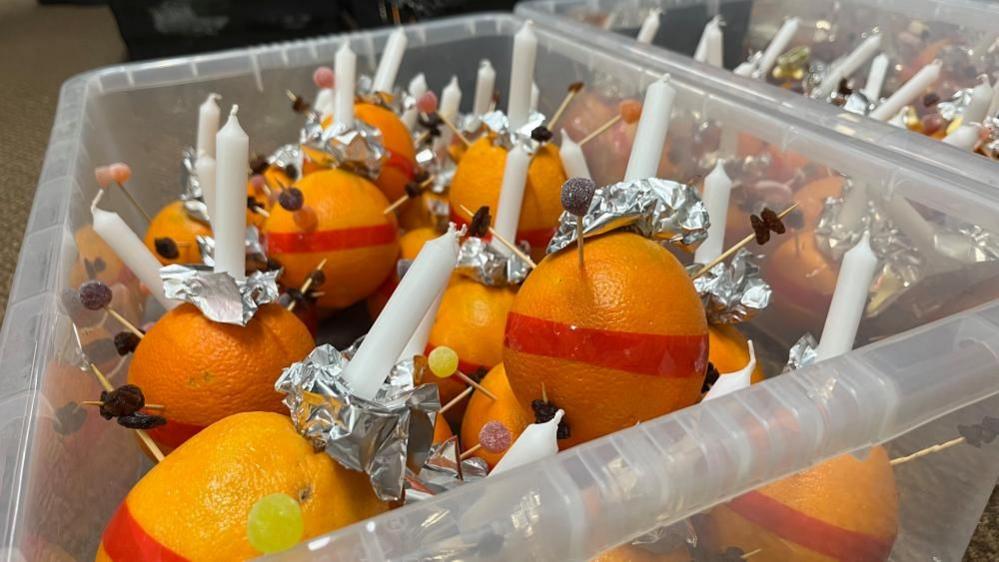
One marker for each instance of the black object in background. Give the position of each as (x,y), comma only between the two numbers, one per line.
(162,28)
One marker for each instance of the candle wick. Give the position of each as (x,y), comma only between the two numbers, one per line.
(97,199)
(235,108)
(214,96)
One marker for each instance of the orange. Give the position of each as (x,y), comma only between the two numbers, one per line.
(399,167)
(620,341)
(628,553)
(477,182)
(842,509)
(729,351)
(172,222)
(470,320)
(410,244)
(442,431)
(203,371)
(812,198)
(195,504)
(803,280)
(352,233)
(482,409)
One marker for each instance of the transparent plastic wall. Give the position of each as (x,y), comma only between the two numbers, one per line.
(913,33)
(927,354)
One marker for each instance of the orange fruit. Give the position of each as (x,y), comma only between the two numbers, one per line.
(442,431)
(803,280)
(203,371)
(352,233)
(96,260)
(195,504)
(628,553)
(470,321)
(399,167)
(842,509)
(620,341)
(477,182)
(812,197)
(728,351)
(482,410)
(172,222)
(410,244)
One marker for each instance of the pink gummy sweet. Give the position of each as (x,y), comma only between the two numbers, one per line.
(427,103)
(495,437)
(323,77)
(103,175)
(120,172)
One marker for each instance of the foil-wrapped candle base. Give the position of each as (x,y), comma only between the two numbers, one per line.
(479,260)
(442,471)
(733,291)
(499,124)
(657,209)
(192,196)
(380,437)
(802,353)
(358,149)
(255,251)
(219,296)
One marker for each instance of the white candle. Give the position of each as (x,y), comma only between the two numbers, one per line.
(536,442)
(965,137)
(417,87)
(650,136)
(388,66)
(345,67)
(205,168)
(731,382)
(908,92)
(876,77)
(650,26)
(485,85)
(325,101)
(776,47)
(994,106)
(525,52)
(848,301)
(233,149)
(130,250)
(450,102)
(511,196)
(208,124)
(717,189)
(535,96)
(573,160)
(709,48)
(981,99)
(403,313)
(417,343)
(846,67)
(745,69)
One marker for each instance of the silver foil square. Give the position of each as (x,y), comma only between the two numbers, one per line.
(358,149)
(192,196)
(658,209)
(733,291)
(217,295)
(442,471)
(254,247)
(801,354)
(380,437)
(479,260)
(499,124)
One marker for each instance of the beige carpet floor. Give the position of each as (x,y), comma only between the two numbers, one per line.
(40,47)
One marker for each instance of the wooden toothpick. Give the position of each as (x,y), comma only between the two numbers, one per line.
(307,284)
(510,245)
(464,394)
(600,130)
(124,322)
(928,451)
(470,382)
(146,439)
(465,454)
(399,202)
(738,246)
(99,403)
(454,130)
(574,89)
(134,202)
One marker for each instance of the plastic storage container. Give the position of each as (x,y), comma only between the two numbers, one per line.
(910,31)
(934,363)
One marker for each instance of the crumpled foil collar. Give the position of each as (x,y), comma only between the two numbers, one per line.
(499,124)
(287,155)
(801,354)
(733,292)
(442,471)
(254,247)
(479,260)
(358,149)
(192,197)
(954,107)
(380,437)
(658,209)
(396,101)
(217,295)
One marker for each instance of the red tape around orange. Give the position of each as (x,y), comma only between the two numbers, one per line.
(537,238)
(330,240)
(809,532)
(174,433)
(407,167)
(645,354)
(125,540)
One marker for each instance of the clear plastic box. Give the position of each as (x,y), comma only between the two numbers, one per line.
(750,24)
(918,372)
